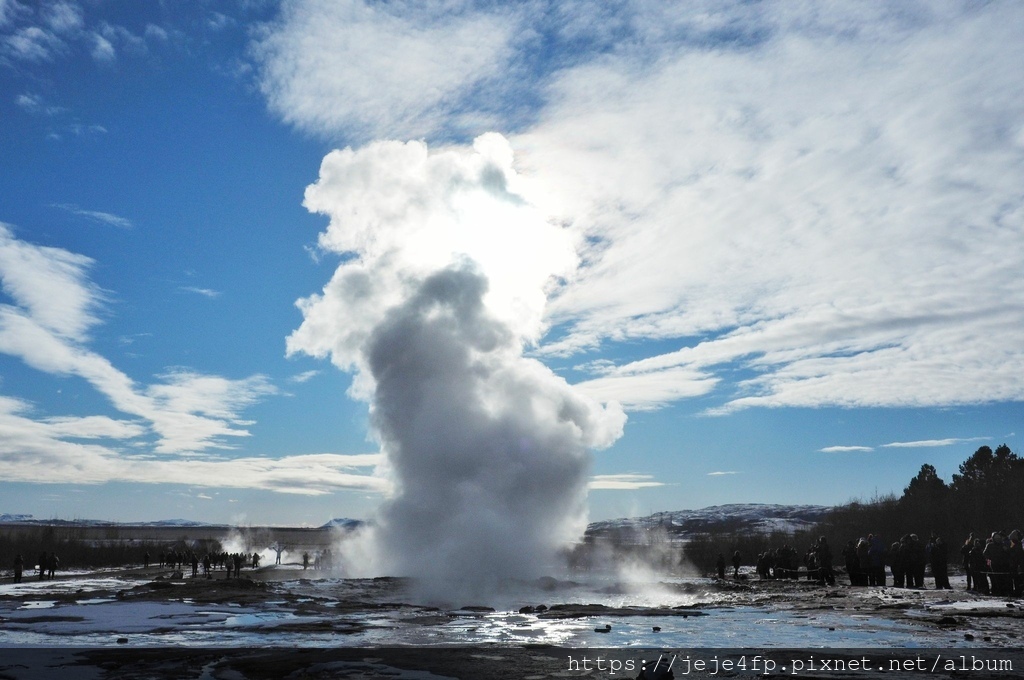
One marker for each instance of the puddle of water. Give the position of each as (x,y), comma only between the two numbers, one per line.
(273,623)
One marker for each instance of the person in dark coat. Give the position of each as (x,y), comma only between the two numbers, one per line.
(965,557)
(1017,562)
(979,567)
(852,563)
(736,561)
(720,564)
(19,567)
(915,560)
(896,566)
(876,554)
(824,554)
(939,557)
(998,561)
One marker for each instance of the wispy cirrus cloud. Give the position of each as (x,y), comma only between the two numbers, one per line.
(324,66)
(723,473)
(36,105)
(48,451)
(844,449)
(623,482)
(96,215)
(52,305)
(933,443)
(205,292)
(737,192)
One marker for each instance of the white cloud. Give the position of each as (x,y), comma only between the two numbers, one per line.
(93,427)
(723,473)
(102,49)
(34,104)
(31,43)
(205,292)
(843,449)
(63,17)
(38,451)
(623,482)
(345,67)
(647,391)
(7,9)
(304,377)
(828,199)
(55,305)
(828,208)
(932,443)
(45,32)
(96,215)
(48,284)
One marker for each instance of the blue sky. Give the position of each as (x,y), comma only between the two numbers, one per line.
(784,239)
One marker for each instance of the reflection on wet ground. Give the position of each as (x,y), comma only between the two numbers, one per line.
(278,610)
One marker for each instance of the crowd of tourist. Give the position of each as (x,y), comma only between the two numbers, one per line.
(993,565)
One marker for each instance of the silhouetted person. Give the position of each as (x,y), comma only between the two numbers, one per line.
(998,561)
(1017,563)
(824,554)
(278,548)
(19,567)
(52,563)
(145,560)
(305,561)
(852,562)
(736,561)
(939,557)
(965,556)
(896,565)
(720,564)
(195,565)
(979,567)
(918,560)
(256,561)
(876,557)
(43,561)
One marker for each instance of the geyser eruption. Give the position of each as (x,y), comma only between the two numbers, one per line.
(441,286)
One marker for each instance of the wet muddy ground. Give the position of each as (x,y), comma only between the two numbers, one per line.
(285,622)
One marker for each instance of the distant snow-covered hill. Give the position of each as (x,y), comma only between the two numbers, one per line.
(737,517)
(11,518)
(175,523)
(344,523)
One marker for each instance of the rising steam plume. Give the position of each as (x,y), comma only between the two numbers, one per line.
(441,286)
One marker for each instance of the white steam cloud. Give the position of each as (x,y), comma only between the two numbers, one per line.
(442,284)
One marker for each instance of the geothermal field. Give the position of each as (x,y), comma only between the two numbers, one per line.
(284,620)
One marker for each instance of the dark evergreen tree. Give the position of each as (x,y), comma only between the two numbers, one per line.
(925,502)
(987,493)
